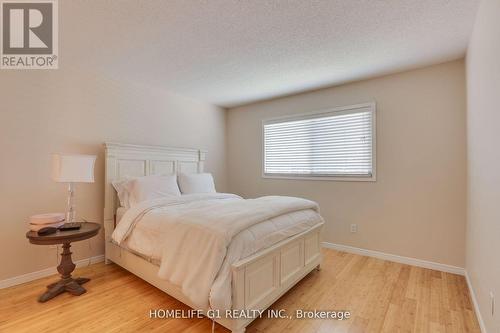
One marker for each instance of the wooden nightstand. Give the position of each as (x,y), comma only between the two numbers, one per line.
(66,266)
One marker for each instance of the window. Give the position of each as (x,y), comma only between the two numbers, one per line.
(335,144)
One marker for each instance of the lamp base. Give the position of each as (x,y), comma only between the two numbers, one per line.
(71,204)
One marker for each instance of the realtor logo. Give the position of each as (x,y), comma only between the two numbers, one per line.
(29,34)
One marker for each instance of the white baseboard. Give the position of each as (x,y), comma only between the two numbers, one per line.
(475,304)
(396,258)
(46,272)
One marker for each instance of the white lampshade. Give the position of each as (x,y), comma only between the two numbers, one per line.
(73,168)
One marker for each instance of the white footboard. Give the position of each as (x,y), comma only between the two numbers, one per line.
(259,280)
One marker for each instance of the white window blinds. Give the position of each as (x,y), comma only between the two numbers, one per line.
(337,143)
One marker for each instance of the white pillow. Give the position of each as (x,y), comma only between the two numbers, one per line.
(196,183)
(122,192)
(132,191)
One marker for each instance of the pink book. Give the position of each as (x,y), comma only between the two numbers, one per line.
(46,218)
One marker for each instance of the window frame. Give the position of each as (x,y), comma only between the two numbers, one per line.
(336,110)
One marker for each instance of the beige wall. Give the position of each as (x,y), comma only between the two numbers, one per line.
(71,111)
(417,206)
(483,137)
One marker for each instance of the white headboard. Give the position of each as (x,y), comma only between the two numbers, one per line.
(124,160)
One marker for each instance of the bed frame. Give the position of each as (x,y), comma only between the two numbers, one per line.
(258,280)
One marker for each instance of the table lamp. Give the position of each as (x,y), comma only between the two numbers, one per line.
(71,169)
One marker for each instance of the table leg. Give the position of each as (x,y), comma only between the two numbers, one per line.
(67,283)
(53,291)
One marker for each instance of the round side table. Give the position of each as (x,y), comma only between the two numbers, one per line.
(66,266)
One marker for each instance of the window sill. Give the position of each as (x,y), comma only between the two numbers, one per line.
(324,178)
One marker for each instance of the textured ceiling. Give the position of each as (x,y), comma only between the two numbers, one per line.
(235,52)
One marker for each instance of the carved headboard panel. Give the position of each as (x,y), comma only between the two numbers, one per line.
(126,160)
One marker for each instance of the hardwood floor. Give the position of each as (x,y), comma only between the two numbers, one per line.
(382,297)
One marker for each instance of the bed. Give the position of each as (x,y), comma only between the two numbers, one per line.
(255,281)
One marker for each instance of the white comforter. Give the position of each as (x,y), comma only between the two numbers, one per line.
(197,248)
